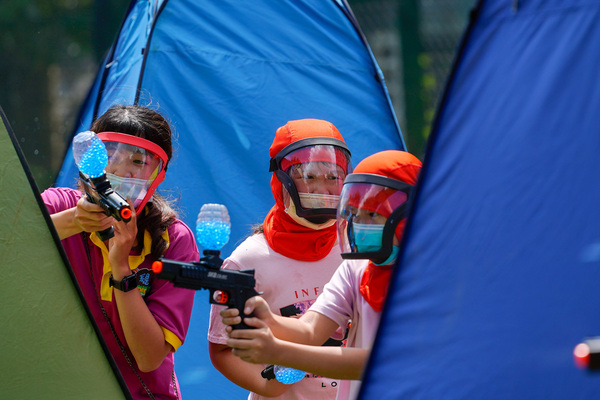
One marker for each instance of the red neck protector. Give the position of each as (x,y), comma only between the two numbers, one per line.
(375,283)
(292,240)
(376,278)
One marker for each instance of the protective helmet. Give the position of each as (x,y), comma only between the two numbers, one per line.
(310,160)
(374,203)
(136,166)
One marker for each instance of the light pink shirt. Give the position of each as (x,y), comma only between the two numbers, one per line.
(341,301)
(290,287)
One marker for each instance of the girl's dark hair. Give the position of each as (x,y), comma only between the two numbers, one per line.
(258,228)
(158,214)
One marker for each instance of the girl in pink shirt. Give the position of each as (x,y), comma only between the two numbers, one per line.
(142,320)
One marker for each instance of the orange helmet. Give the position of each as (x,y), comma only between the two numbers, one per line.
(310,159)
(374,203)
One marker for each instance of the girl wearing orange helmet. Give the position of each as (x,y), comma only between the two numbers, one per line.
(294,252)
(371,217)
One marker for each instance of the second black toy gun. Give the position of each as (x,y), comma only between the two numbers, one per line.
(100,192)
(227,287)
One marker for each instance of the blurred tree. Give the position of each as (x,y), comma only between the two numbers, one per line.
(408,24)
(50,52)
(414,42)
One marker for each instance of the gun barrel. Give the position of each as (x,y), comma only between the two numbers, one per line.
(126,213)
(200,275)
(158,269)
(100,192)
(115,205)
(227,287)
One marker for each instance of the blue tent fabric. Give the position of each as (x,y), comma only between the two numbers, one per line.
(119,76)
(227,74)
(499,275)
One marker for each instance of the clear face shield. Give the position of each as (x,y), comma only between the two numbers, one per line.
(370,209)
(312,173)
(136,166)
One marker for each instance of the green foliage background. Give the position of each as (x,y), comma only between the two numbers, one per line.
(50,51)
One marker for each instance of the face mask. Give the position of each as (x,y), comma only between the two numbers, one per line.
(291,211)
(131,189)
(316,200)
(367,237)
(392,257)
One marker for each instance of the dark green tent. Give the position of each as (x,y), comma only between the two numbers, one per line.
(50,348)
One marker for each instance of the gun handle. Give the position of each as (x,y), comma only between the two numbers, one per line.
(240,302)
(106,234)
(242,325)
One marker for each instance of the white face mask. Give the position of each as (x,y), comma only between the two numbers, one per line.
(316,200)
(291,211)
(131,189)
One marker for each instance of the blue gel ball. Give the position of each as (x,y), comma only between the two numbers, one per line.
(288,375)
(212,235)
(94,160)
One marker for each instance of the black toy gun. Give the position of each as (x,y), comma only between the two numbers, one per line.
(100,192)
(227,287)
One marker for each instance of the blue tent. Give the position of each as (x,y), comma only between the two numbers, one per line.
(227,74)
(500,273)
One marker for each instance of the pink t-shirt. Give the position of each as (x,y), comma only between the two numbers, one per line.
(290,287)
(170,306)
(341,301)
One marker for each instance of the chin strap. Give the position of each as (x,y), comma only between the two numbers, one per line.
(291,211)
